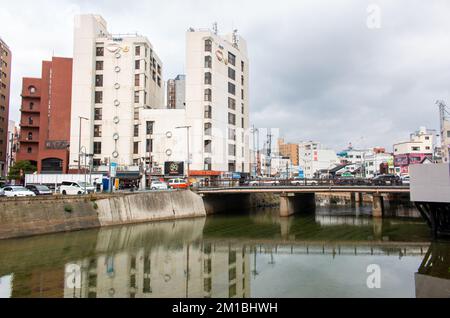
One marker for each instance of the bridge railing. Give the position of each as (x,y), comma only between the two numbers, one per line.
(274,182)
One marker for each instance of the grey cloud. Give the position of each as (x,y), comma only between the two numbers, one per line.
(317,71)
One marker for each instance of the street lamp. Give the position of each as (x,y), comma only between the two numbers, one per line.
(188,151)
(79,143)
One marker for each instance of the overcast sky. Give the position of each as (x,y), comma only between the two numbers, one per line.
(332,71)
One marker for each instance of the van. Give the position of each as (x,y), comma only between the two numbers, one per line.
(75,188)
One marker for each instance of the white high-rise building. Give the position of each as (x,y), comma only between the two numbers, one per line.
(313,158)
(217,102)
(115,78)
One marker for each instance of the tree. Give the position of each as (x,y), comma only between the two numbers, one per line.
(19,170)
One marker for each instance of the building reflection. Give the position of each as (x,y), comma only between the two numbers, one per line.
(194,270)
(433,277)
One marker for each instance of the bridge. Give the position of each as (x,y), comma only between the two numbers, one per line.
(295,198)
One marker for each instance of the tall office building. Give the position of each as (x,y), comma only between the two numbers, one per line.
(45,117)
(217,102)
(289,150)
(5,83)
(115,77)
(176,92)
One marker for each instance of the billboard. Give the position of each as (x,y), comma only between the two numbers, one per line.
(174,168)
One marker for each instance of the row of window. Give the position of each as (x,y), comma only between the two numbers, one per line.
(98,128)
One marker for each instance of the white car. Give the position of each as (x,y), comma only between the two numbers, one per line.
(17,191)
(159,185)
(75,188)
(405,180)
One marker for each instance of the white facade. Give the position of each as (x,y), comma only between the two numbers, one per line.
(217,101)
(373,161)
(312,158)
(422,141)
(115,77)
(276,166)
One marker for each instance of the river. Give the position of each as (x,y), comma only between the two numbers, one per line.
(334,252)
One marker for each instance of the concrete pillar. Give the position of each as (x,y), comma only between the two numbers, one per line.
(377,206)
(359,198)
(287,205)
(378,228)
(353,199)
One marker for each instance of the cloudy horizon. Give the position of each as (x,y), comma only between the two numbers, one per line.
(318,69)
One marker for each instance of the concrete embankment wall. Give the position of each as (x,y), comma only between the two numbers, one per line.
(23,217)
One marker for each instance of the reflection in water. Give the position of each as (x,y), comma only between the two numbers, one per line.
(254,255)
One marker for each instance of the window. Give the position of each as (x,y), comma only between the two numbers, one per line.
(99,66)
(137,50)
(136,96)
(136,80)
(137,65)
(242,66)
(243,109)
(208,78)
(31,106)
(231,119)
(30,150)
(231,150)
(96,162)
(97,114)
(159,81)
(135,148)
(448,133)
(99,80)
(427,148)
(97,130)
(30,136)
(208,164)
(231,74)
(232,58)
(31,89)
(231,134)
(208,95)
(98,97)
(208,112)
(208,146)
(415,148)
(149,128)
(242,94)
(208,61)
(232,88)
(231,166)
(231,103)
(30,120)
(136,130)
(243,123)
(159,69)
(208,45)
(100,51)
(208,129)
(149,145)
(97,148)
(242,80)
(427,138)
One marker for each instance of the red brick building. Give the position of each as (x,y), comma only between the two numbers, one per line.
(5,81)
(45,117)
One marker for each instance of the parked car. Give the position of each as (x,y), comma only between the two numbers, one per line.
(386,179)
(263,182)
(302,182)
(2,193)
(405,180)
(75,188)
(158,185)
(178,184)
(39,189)
(17,191)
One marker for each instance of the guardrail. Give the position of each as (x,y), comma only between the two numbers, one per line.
(233,183)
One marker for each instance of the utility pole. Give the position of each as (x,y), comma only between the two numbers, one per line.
(269,150)
(255,150)
(443,116)
(79,143)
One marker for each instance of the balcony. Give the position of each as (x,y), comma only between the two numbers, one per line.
(26,140)
(31,111)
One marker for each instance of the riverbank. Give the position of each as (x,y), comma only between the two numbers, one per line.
(22,217)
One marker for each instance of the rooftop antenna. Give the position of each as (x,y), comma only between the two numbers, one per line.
(235,38)
(215,28)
